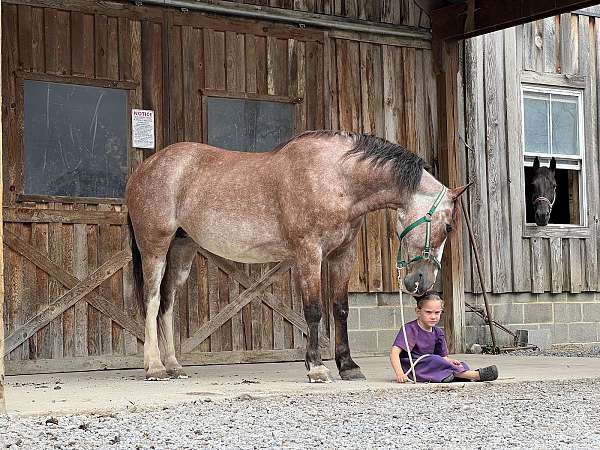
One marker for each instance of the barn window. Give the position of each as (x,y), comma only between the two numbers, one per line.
(553,127)
(248,125)
(75,140)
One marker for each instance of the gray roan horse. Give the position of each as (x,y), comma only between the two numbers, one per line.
(303,202)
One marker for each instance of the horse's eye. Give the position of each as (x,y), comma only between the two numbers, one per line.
(448,228)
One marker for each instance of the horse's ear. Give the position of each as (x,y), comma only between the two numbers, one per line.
(536,163)
(458,191)
(553,164)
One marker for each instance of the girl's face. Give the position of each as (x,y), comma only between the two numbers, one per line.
(429,313)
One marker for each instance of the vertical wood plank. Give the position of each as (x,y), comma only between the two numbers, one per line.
(105,289)
(203,297)
(214,304)
(93,338)
(409,63)
(515,167)
(496,162)
(568,44)
(476,160)
(192,50)
(537,266)
(80,270)
(235,59)
(267,315)
(39,240)
(25,37)
(237,330)
(257,321)
(101,45)
(556,269)
(575,266)
(550,47)
(66,346)
(214,64)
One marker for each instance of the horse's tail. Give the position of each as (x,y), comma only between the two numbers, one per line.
(138,274)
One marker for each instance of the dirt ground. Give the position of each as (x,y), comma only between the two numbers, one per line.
(118,390)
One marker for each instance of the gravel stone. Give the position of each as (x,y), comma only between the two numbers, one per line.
(548,415)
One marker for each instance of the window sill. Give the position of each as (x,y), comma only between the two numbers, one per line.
(60,199)
(556,231)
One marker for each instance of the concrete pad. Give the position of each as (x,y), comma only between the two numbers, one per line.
(117,390)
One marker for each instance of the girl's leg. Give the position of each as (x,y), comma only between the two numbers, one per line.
(472,375)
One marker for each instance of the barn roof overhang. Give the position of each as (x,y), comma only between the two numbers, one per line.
(461,19)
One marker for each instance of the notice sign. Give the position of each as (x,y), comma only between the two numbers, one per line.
(142,128)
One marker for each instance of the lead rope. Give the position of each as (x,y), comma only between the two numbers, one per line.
(410,360)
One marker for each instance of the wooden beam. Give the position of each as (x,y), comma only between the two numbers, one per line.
(476,17)
(446,68)
(2,402)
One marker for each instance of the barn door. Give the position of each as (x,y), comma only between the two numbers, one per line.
(72,79)
(245,86)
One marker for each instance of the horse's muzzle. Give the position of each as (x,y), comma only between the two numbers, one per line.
(417,282)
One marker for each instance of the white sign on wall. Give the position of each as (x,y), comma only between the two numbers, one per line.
(142,128)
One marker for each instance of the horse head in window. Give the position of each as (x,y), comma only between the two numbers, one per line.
(543,191)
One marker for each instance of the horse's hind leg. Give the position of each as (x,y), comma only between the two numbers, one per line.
(153,266)
(340,268)
(309,281)
(179,261)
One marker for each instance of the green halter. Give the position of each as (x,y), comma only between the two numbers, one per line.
(426,253)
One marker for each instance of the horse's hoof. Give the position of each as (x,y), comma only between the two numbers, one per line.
(157,375)
(352,374)
(319,374)
(177,373)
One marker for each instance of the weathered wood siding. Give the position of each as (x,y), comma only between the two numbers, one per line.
(388,91)
(494,66)
(397,12)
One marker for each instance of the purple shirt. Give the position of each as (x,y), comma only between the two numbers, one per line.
(422,342)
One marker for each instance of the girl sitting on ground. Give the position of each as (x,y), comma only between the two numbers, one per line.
(425,338)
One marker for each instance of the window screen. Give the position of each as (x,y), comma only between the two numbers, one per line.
(248,125)
(76,140)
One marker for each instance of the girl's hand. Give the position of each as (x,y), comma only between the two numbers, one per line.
(402,378)
(455,362)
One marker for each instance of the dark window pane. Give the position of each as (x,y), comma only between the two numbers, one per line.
(75,140)
(248,125)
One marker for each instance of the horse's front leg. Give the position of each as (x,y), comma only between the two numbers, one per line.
(340,269)
(309,280)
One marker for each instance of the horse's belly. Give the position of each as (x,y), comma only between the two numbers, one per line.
(241,248)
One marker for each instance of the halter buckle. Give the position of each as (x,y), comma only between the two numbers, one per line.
(426,253)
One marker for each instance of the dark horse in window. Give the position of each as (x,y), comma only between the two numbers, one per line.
(302,203)
(543,191)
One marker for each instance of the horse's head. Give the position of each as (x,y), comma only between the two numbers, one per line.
(422,229)
(543,191)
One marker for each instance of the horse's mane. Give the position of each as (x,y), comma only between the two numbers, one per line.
(407,168)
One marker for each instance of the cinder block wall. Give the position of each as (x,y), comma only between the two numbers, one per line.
(374,319)
(549,318)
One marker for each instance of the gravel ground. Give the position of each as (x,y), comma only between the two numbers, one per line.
(593,352)
(547,415)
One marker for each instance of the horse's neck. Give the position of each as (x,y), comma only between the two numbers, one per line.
(380,192)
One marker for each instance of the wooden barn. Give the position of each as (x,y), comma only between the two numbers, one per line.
(73,73)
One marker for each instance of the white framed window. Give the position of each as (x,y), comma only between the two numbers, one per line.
(553,127)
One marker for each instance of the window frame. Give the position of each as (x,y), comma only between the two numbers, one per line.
(558,84)
(19,163)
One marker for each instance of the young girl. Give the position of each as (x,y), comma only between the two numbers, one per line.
(424,337)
